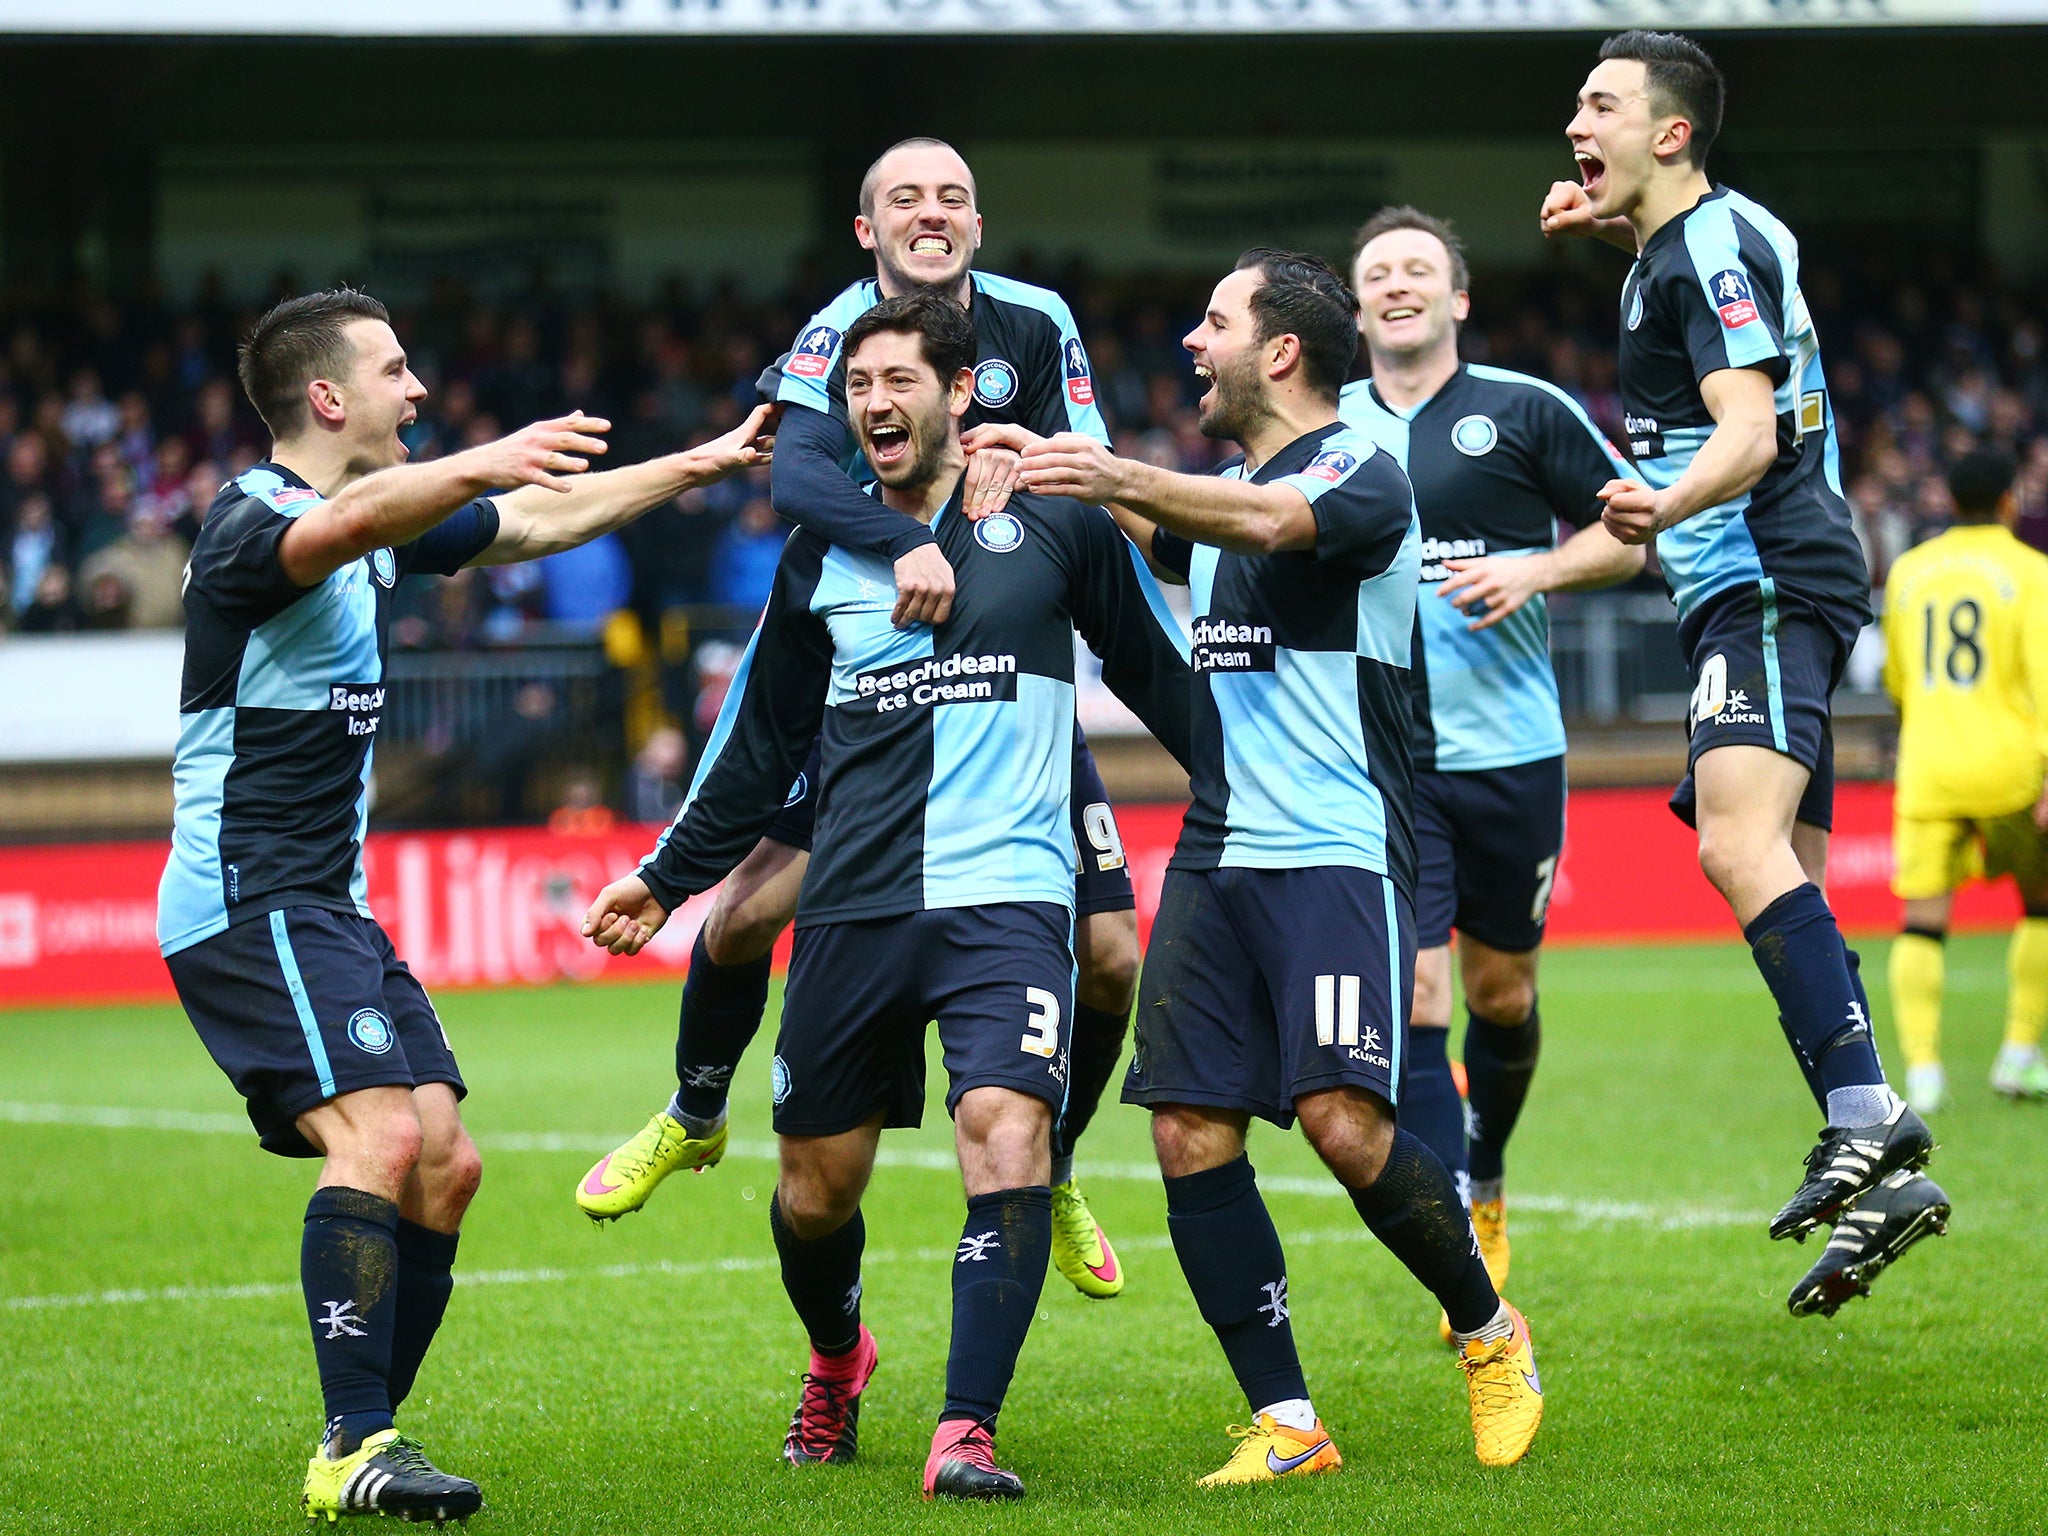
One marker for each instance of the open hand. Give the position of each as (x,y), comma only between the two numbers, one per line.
(746,446)
(546,453)
(1072,464)
(1488,589)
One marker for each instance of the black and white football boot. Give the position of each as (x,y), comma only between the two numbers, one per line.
(1847,1164)
(1905,1207)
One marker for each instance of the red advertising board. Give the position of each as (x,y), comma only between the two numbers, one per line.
(78,922)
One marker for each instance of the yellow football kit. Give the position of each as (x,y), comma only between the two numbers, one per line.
(1966,659)
(1966,654)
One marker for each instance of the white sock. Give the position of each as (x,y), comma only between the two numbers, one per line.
(1501,1325)
(698,1129)
(1863,1105)
(1294,1412)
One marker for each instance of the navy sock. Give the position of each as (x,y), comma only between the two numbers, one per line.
(822,1277)
(348,1267)
(722,1008)
(998,1273)
(1500,1062)
(1413,1208)
(1430,1103)
(1799,951)
(1098,1047)
(1224,1238)
(426,1259)
(1863,999)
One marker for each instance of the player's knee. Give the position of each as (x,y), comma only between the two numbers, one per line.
(1352,1133)
(1724,855)
(738,932)
(813,1202)
(1109,969)
(375,1146)
(1501,995)
(451,1170)
(1431,1008)
(1189,1141)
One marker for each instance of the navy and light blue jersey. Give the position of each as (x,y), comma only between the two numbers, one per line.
(1719,288)
(946,755)
(1496,459)
(1302,719)
(282,695)
(1030,370)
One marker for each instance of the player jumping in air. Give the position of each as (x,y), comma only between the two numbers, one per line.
(941,883)
(1729,421)
(918,216)
(1280,966)
(1966,658)
(1496,459)
(263,914)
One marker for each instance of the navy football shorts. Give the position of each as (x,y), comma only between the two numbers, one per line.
(1486,847)
(1261,985)
(304,1005)
(999,980)
(1102,881)
(1765,664)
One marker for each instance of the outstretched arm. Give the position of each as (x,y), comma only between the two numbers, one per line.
(1497,585)
(1209,509)
(533,522)
(395,506)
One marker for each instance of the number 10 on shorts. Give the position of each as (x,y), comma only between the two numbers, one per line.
(1336,1010)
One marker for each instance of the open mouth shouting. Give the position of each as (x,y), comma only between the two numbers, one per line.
(934,248)
(1592,172)
(888,444)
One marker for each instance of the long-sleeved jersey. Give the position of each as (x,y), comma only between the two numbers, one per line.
(1966,657)
(1030,370)
(1717,288)
(946,754)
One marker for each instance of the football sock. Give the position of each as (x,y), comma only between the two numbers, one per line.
(1224,1239)
(998,1273)
(822,1277)
(1430,1103)
(426,1261)
(348,1268)
(1814,1085)
(1098,1047)
(1916,972)
(722,1008)
(1500,1062)
(1294,1412)
(1415,1210)
(1799,951)
(2026,975)
(1499,1326)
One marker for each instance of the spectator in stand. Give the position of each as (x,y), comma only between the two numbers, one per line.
(51,611)
(34,550)
(743,564)
(655,783)
(89,417)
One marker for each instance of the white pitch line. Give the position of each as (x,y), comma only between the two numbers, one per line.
(1663,1218)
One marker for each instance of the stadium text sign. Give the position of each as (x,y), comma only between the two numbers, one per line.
(491,908)
(459,18)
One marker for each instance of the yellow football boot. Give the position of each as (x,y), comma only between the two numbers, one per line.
(1080,1248)
(1507,1394)
(388,1474)
(621,1180)
(1490,1226)
(1270,1450)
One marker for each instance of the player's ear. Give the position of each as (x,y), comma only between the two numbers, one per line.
(1461,305)
(961,395)
(1283,355)
(1672,140)
(323,396)
(863,231)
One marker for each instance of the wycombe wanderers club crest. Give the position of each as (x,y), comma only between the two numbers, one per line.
(385,564)
(1474,435)
(995,382)
(999,533)
(370,1030)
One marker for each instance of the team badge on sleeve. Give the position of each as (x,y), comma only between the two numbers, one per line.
(813,356)
(1332,465)
(1080,386)
(1732,299)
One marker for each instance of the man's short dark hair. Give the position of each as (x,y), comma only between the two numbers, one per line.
(945,335)
(1682,80)
(300,340)
(1303,297)
(1388,220)
(874,171)
(1978,481)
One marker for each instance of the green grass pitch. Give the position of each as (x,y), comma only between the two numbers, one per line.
(639,1378)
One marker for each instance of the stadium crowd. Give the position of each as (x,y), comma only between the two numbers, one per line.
(118,421)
